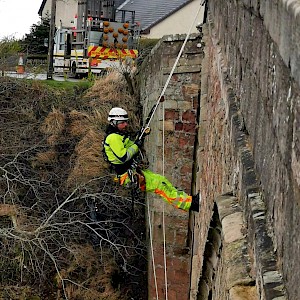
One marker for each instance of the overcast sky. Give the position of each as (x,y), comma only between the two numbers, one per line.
(16,16)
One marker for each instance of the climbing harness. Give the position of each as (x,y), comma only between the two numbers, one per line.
(137,182)
(134,174)
(133,187)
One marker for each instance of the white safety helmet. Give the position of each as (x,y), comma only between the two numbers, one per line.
(117,114)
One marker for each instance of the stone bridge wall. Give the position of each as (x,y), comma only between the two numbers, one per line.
(240,84)
(249,150)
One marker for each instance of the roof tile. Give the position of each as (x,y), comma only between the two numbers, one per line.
(149,12)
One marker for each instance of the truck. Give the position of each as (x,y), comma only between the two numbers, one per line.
(101,38)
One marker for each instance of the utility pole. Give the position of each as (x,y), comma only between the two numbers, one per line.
(51,40)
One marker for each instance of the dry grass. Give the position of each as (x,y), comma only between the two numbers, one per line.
(89,162)
(8,210)
(52,139)
(110,91)
(44,158)
(72,155)
(80,123)
(17,292)
(21,219)
(86,128)
(111,88)
(94,276)
(54,123)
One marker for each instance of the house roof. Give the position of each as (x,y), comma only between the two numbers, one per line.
(151,12)
(147,12)
(119,2)
(40,12)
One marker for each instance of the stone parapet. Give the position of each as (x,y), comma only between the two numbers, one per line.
(236,266)
(259,44)
(282,20)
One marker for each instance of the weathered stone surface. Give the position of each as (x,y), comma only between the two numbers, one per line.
(179,122)
(259,86)
(227,205)
(238,264)
(243,293)
(248,146)
(232,227)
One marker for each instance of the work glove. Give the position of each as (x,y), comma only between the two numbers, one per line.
(141,137)
(139,142)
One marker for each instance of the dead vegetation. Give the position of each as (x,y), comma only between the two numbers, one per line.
(88,269)
(77,237)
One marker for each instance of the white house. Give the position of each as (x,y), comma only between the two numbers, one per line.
(65,11)
(156,17)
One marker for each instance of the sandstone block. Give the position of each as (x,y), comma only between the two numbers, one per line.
(243,293)
(232,227)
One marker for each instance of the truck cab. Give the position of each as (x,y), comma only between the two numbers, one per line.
(97,41)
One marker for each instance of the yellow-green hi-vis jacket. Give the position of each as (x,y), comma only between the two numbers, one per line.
(121,151)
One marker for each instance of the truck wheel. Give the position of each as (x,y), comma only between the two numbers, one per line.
(73,69)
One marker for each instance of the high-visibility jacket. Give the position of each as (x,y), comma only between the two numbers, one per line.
(120,152)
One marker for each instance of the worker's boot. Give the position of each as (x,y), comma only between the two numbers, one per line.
(195,203)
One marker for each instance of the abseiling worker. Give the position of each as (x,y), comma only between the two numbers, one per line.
(121,152)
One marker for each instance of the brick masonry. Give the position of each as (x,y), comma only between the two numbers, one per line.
(178,117)
(244,243)
(248,143)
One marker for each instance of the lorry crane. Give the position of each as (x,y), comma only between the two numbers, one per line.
(101,38)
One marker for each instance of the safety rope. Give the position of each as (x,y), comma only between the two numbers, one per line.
(163,214)
(149,119)
(152,251)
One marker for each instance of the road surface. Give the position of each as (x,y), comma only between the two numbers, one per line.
(38,76)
